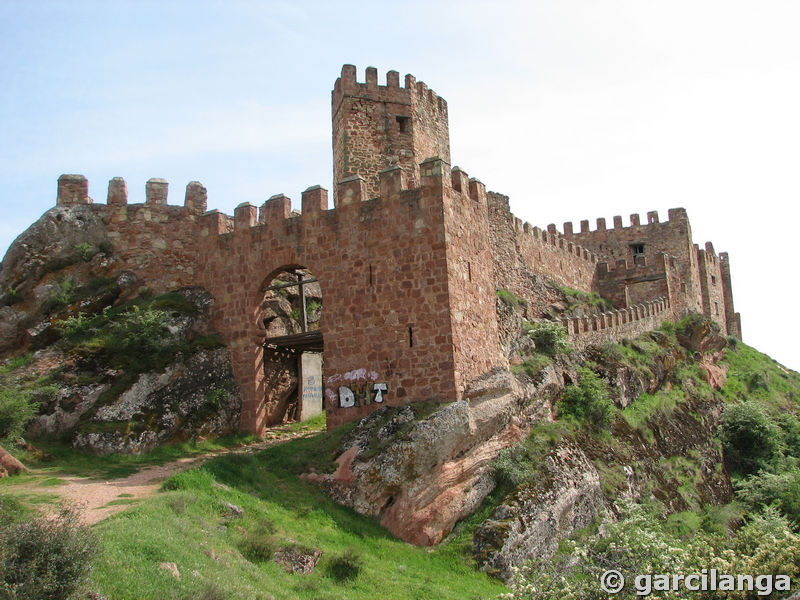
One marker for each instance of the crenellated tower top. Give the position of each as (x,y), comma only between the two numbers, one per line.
(380,126)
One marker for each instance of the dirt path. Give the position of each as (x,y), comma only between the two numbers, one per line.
(94,495)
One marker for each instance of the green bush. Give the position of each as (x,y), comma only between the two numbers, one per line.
(750,438)
(105,248)
(258,546)
(45,557)
(86,251)
(550,338)
(64,292)
(639,544)
(781,490)
(346,566)
(16,410)
(589,401)
(513,466)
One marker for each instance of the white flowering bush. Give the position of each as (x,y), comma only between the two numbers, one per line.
(639,544)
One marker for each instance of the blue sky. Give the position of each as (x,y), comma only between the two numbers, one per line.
(575,109)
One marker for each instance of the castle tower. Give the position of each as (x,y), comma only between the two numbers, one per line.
(377,126)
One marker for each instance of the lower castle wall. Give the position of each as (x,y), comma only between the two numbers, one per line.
(616,325)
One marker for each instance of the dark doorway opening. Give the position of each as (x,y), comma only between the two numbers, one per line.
(291,314)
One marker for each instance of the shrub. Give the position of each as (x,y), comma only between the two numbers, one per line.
(781,490)
(45,557)
(750,439)
(86,251)
(550,338)
(346,566)
(259,544)
(16,410)
(63,293)
(10,297)
(105,248)
(588,401)
(513,466)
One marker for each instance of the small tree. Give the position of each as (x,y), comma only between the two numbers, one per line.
(550,338)
(750,438)
(588,401)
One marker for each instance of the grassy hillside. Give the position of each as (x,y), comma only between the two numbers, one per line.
(221,555)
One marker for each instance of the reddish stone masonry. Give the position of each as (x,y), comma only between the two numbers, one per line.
(409,259)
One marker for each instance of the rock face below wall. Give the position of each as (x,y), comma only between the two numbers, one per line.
(418,475)
(532,521)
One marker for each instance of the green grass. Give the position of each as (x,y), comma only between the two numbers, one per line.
(640,411)
(578,299)
(754,375)
(511,299)
(60,458)
(533,365)
(188,524)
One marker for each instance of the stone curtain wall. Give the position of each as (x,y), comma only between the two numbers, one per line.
(673,237)
(697,291)
(379,126)
(520,250)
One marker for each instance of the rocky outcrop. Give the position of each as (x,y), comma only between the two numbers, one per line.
(535,518)
(51,243)
(193,397)
(9,465)
(419,474)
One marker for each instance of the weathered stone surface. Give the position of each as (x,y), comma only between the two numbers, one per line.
(49,242)
(531,522)
(194,396)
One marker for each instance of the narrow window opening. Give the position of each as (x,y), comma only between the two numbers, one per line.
(403,123)
(716,307)
(683,287)
(713,280)
(469,271)
(370,275)
(410,337)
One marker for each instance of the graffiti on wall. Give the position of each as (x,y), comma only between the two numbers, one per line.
(356,388)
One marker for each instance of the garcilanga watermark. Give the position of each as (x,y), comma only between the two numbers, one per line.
(706,580)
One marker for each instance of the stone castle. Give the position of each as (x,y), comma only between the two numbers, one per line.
(409,259)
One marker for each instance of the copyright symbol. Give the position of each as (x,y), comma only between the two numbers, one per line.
(612,582)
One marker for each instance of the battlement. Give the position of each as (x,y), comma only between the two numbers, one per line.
(675,215)
(707,253)
(74,189)
(413,91)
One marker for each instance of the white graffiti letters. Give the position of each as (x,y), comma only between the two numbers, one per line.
(362,395)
